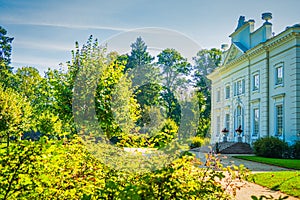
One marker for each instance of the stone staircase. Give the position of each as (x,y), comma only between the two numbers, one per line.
(234,148)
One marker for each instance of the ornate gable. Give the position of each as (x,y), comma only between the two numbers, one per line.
(235,51)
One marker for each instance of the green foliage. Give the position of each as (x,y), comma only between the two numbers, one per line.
(5,48)
(18,169)
(15,114)
(159,138)
(205,62)
(5,53)
(262,197)
(198,142)
(148,94)
(172,106)
(59,165)
(134,140)
(27,81)
(139,56)
(168,133)
(49,125)
(152,118)
(56,93)
(189,116)
(295,148)
(53,169)
(103,88)
(173,66)
(270,147)
(181,179)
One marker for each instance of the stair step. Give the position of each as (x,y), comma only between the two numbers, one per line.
(237,148)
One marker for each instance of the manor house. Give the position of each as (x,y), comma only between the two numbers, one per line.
(256,90)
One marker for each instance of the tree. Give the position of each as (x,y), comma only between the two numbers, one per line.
(205,62)
(27,81)
(5,48)
(15,115)
(102,89)
(5,53)
(174,69)
(138,56)
(145,80)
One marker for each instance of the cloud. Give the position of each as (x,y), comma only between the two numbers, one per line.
(42,45)
(40,62)
(69,26)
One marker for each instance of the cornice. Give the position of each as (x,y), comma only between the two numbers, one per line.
(273,42)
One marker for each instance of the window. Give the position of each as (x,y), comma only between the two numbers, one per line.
(239,87)
(239,116)
(279,75)
(255,82)
(218,96)
(255,121)
(227,121)
(218,125)
(279,119)
(227,92)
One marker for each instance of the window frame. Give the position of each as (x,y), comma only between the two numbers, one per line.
(227,92)
(227,121)
(277,121)
(255,122)
(239,87)
(218,95)
(218,125)
(276,74)
(255,88)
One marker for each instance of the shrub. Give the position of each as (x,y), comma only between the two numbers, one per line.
(296,150)
(270,147)
(168,132)
(198,142)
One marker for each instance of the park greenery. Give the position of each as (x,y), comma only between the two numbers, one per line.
(280,162)
(285,181)
(62,134)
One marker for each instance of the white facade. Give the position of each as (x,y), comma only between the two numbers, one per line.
(257,86)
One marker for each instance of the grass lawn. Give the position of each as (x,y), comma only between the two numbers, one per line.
(287,163)
(286,181)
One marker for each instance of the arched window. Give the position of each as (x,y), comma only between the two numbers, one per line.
(239,117)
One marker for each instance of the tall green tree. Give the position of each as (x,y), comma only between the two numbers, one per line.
(139,56)
(174,68)
(102,89)
(15,115)
(5,48)
(5,53)
(140,65)
(205,62)
(145,79)
(27,81)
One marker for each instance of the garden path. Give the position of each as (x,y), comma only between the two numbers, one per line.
(249,189)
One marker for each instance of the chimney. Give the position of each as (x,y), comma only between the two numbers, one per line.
(267,26)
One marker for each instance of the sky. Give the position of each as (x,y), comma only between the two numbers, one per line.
(45,31)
